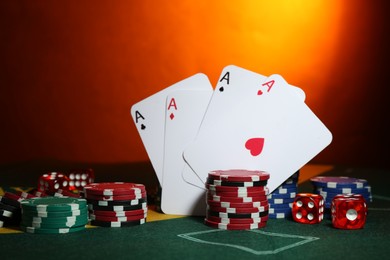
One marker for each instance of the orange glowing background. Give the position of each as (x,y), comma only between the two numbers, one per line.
(70,70)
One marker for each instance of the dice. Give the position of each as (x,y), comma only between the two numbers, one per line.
(308,208)
(52,181)
(80,177)
(349,211)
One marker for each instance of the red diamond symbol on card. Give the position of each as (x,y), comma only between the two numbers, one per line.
(171,116)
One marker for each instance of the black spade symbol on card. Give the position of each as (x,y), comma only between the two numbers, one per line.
(221,89)
(143,127)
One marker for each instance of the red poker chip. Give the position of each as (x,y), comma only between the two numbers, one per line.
(113,213)
(236,183)
(13,196)
(237,220)
(225,204)
(236,199)
(116,197)
(237,193)
(238,175)
(114,188)
(239,210)
(24,195)
(61,193)
(234,226)
(212,187)
(117,219)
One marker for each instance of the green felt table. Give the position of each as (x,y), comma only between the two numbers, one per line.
(189,238)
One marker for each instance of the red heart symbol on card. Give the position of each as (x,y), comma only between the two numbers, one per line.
(255,145)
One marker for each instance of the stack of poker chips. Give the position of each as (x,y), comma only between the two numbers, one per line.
(328,187)
(236,199)
(10,212)
(116,204)
(281,199)
(53,215)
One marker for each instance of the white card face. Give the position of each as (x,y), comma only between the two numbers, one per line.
(270,130)
(149,118)
(234,85)
(184,112)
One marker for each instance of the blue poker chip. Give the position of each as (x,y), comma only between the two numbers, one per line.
(365,189)
(280,215)
(338,182)
(329,198)
(286,205)
(272,202)
(279,210)
(290,195)
(328,194)
(282,190)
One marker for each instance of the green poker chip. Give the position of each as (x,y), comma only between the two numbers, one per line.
(55,214)
(45,224)
(34,230)
(46,204)
(54,220)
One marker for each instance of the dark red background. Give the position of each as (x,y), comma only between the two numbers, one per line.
(70,70)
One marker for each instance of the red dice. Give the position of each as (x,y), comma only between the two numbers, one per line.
(81,177)
(308,208)
(52,181)
(349,211)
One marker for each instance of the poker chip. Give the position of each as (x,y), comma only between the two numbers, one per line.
(119,213)
(237,220)
(117,219)
(116,204)
(235,183)
(114,188)
(118,207)
(365,189)
(234,226)
(219,188)
(338,182)
(280,200)
(8,201)
(290,195)
(280,210)
(225,204)
(116,197)
(236,199)
(117,223)
(34,230)
(330,187)
(279,215)
(237,193)
(53,215)
(43,204)
(236,215)
(239,175)
(239,210)
(112,203)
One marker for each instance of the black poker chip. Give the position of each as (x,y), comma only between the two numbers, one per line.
(117,223)
(118,207)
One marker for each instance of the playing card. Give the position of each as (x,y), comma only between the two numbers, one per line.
(270,130)
(184,112)
(234,85)
(149,118)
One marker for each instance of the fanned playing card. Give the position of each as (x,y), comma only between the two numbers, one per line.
(149,118)
(234,86)
(270,130)
(184,112)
